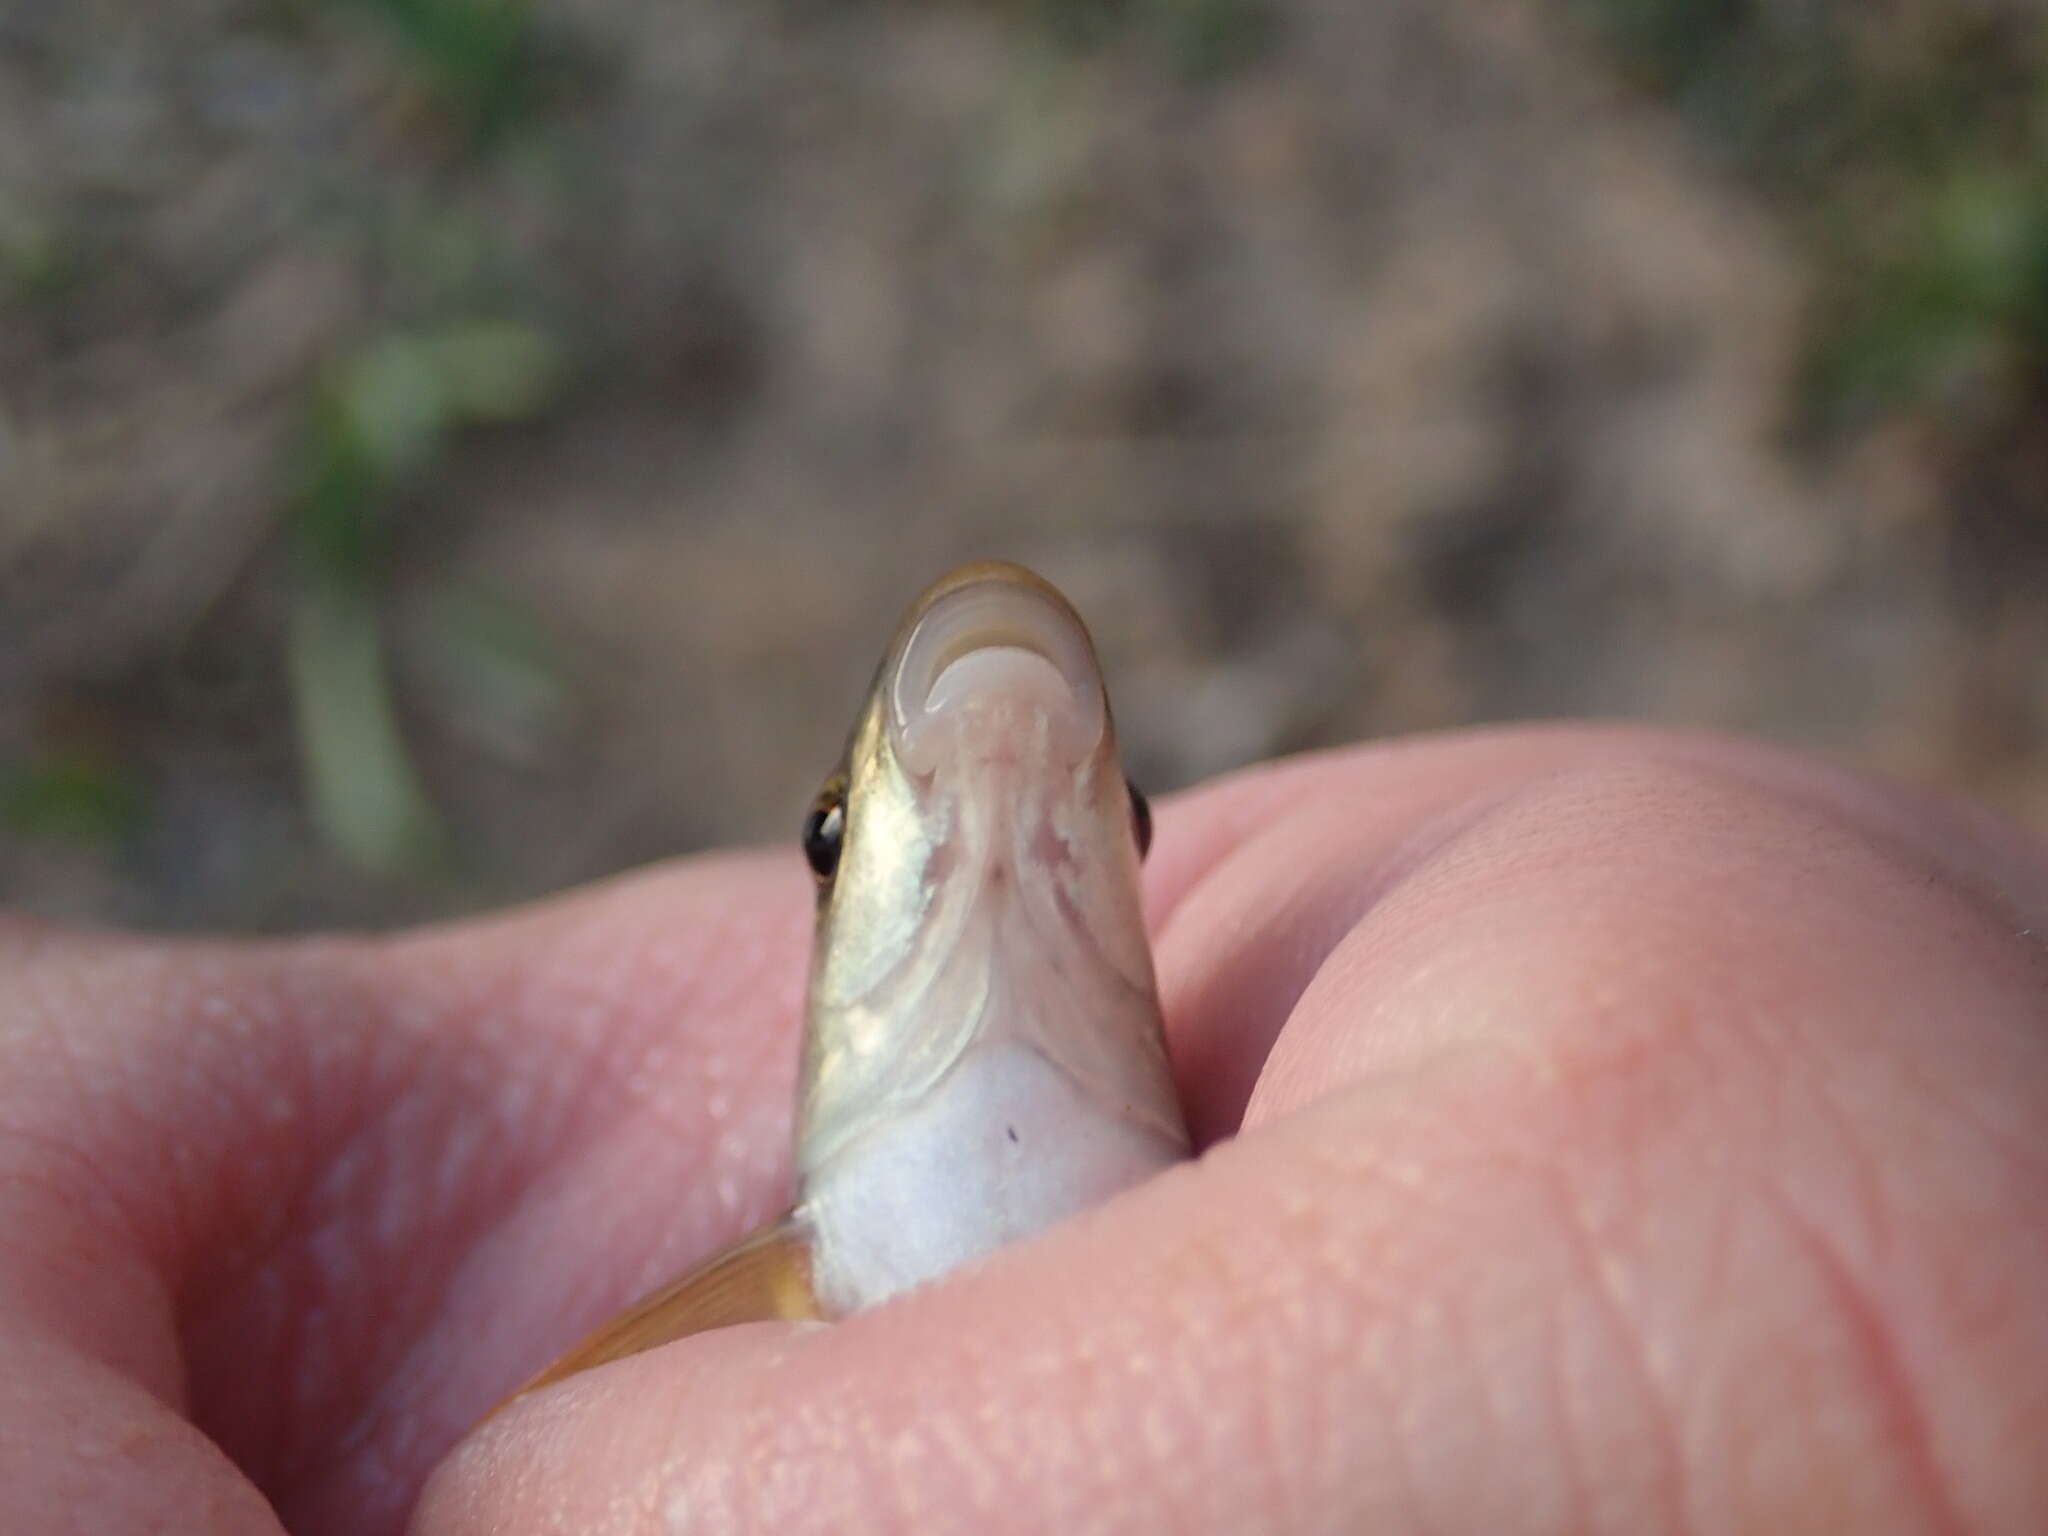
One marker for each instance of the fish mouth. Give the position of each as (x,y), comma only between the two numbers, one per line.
(996,670)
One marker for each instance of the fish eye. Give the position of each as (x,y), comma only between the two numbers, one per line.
(1141,818)
(824,830)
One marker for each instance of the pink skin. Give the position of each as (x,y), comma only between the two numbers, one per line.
(1639,1133)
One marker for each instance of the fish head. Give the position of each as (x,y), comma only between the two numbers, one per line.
(982,1051)
(978,857)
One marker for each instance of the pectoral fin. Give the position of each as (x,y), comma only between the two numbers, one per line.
(764,1277)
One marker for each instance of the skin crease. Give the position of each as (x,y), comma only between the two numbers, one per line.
(1638,1132)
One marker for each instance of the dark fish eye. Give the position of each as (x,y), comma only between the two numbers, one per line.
(824,830)
(1141,818)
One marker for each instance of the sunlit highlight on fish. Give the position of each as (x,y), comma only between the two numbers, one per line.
(982,1046)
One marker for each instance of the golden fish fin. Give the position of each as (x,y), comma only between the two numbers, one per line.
(764,1277)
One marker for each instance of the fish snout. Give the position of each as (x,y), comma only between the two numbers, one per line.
(994,672)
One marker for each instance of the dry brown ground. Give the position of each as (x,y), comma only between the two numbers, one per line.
(1411,372)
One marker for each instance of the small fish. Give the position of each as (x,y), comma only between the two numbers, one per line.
(982,1047)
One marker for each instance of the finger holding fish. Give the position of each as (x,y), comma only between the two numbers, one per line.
(1522,1233)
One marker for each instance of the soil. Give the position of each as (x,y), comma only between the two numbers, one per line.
(1390,367)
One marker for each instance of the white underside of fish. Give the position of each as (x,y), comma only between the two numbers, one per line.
(1003,1147)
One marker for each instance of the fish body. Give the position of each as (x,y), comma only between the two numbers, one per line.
(983,1053)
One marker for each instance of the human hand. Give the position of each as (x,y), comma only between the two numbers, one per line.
(1636,1132)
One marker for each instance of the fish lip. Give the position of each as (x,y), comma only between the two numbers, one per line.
(1031,664)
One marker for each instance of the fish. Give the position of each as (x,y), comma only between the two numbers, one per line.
(983,1051)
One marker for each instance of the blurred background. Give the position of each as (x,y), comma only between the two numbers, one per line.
(450,449)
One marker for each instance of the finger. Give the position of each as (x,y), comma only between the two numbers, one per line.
(1256,878)
(333,1196)
(1659,1208)
(1658,863)
(84,1448)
